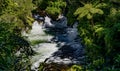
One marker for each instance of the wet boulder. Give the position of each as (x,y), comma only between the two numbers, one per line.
(60,23)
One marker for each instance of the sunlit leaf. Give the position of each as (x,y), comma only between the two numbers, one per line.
(89,16)
(87,10)
(99,11)
(99,29)
(93,10)
(78,11)
(88,6)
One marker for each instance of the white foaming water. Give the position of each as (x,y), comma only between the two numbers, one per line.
(37,28)
(43,50)
(37,33)
(49,51)
(48,21)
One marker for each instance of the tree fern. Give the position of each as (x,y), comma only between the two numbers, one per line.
(88,10)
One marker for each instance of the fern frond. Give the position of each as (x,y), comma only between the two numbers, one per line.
(99,11)
(78,11)
(89,16)
(100,5)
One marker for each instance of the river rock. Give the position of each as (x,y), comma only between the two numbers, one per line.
(61,23)
(70,53)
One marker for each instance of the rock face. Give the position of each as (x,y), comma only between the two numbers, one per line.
(60,23)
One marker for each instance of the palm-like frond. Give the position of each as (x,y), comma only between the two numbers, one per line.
(88,10)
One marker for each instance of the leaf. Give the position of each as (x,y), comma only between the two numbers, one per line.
(89,16)
(113,11)
(76,68)
(88,10)
(93,10)
(78,11)
(84,13)
(99,11)
(88,6)
(99,29)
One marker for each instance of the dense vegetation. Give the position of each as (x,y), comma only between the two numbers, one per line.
(14,17)
(99,28)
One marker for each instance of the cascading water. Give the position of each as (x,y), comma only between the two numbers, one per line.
(44,49)
(62,47)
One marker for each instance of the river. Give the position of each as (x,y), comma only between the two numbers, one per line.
(55,42)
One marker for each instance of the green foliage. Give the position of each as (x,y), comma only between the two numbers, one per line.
(57,4)
(53,11)
(6,5)
(14,16)
(10,44)
(101,40)
(41,4)
(18,12)
(55,8)
(76,68)
(89,10)
(70,9)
